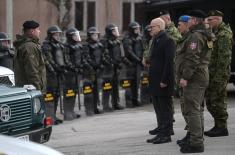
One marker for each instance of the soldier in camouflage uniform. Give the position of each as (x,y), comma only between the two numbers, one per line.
(219,74)
(171,30)
(184,30)
(6,53)
(29,66)
(193,56)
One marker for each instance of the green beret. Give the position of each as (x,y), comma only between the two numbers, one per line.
(215,13)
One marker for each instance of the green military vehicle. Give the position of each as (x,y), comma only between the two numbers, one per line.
(22,111)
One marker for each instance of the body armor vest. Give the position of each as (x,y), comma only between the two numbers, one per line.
(75,54)
(58,54)
(115,50)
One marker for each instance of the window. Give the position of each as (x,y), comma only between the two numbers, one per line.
(126,15)
(90,14)
(79,6)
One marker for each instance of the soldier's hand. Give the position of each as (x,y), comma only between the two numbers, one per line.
(183,83)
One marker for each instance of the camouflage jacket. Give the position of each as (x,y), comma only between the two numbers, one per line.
(29,66)
(221,55)
(173,32)
(193,55)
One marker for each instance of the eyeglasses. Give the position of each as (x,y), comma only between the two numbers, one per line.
(210,19)
(152,26)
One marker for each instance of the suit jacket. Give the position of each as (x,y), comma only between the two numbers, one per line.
(161,65)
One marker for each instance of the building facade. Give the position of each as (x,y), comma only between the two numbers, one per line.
(82,14)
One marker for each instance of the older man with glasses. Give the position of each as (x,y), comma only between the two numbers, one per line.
(161,80)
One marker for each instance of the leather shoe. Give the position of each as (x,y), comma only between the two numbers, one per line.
(162,139)
(191,149)
(217,132)
(152,139)
(154,131)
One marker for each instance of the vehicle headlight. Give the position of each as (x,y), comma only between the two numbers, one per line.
(36,105)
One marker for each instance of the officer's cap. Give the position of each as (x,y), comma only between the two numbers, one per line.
(184,18)
(30,24)
(164,12)
(215,13)
(197,14)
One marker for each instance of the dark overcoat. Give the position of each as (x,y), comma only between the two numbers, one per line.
(161,65)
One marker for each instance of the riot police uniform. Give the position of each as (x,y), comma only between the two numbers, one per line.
(133,45)
(96,54)
(54,58)
(73,63)
(6,53)
(113,46)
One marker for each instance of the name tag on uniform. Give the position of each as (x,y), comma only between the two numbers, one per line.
(48,97)
(125,83)
(107,86)
(69,93)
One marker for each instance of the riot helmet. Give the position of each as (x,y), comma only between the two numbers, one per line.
(54,33)
(134,28)
(4,40)
(112,30)
(73,35)
(93,34)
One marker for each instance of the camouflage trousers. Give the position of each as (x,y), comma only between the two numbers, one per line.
(193,95)
(216,95)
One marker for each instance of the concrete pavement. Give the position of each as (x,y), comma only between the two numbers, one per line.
(125,133)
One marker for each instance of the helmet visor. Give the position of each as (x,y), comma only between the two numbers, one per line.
(115,32)
(76,36)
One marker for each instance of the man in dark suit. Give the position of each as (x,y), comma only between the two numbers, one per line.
(161,80)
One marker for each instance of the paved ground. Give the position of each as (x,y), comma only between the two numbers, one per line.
(125,133)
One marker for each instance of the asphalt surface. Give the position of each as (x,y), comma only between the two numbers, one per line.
(125,132)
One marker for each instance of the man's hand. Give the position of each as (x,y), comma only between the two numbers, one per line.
(183,83)
(163,85)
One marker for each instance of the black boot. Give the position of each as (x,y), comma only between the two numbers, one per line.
(97,111)
(162,139)
(191,149)
(57,121)
(118,107)
(216,132)
(184,140)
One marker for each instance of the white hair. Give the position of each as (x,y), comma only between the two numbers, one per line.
(161,23)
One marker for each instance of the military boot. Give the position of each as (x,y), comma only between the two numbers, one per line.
(187,148)
(217,132)
(184,140)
